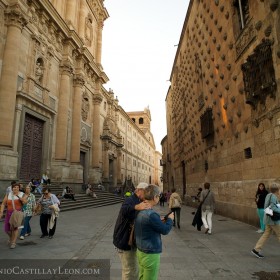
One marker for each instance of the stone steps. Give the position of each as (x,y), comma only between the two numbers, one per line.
(82,200)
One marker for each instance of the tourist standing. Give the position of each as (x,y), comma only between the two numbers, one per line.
(122,230)
(148,230)
(260,199)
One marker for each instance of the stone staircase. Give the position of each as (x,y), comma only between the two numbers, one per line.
(82,200)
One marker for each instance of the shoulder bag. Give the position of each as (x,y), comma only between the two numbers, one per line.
(269,212)
(176,203)
(17,217)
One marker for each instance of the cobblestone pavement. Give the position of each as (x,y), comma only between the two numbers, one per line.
(187,253)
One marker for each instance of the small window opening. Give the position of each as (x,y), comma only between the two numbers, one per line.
(248,153)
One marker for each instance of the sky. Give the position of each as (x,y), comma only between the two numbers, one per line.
(139,45)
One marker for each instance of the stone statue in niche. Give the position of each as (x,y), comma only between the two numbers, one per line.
(88,30)
(85,107)
(39,70)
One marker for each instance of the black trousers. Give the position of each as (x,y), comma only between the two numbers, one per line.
(176,212)
(44,219)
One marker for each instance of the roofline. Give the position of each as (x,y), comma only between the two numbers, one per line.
(181,37)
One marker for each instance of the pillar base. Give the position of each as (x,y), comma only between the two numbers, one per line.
(8,168)
(95,176)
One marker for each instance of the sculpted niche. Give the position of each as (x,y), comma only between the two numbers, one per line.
(85,106)
(39,70)
(88,30)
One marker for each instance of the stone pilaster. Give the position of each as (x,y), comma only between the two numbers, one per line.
(15,21)
(82,17)
(115,171)
(76,118)
(119,166)
(63,109)
(71,17)
(106,163)
(17,125)
(96,142)
(99,43)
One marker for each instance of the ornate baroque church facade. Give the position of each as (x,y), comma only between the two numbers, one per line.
(55,114)
(223,105)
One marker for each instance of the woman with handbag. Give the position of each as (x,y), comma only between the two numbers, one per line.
(50,209)
(271,224)
(14,202)
(175,203)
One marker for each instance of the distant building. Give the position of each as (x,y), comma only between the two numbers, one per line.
(55,114)
(222,108)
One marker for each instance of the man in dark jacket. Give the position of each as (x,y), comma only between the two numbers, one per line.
(122,229)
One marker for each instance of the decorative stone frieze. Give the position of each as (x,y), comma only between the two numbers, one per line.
(245,39)
(97,98)
(78,80)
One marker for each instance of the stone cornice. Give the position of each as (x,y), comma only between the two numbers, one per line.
(98,9)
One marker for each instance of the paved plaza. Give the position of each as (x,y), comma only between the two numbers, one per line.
(187,253)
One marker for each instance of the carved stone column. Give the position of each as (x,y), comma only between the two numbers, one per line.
(17,126)
(71,17)
(96,142)
(106,163)
(15,21)
(99,43)
(82,15)
(76,118)
(63,109)
(115,171)
(119,166)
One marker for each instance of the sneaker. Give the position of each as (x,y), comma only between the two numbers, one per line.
(13,246)
(27,234)
(260,231)
(22,237)
(206,231)
(50,237)
(257,254)
(43,236)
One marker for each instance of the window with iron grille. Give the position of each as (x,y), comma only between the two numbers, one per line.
(207,125)
(259,75)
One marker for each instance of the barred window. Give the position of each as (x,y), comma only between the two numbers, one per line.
(206,121)
(259,75)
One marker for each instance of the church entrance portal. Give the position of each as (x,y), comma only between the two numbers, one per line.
(31,156)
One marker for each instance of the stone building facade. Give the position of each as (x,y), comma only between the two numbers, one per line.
(138,160)
(223,105)
(55,114)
